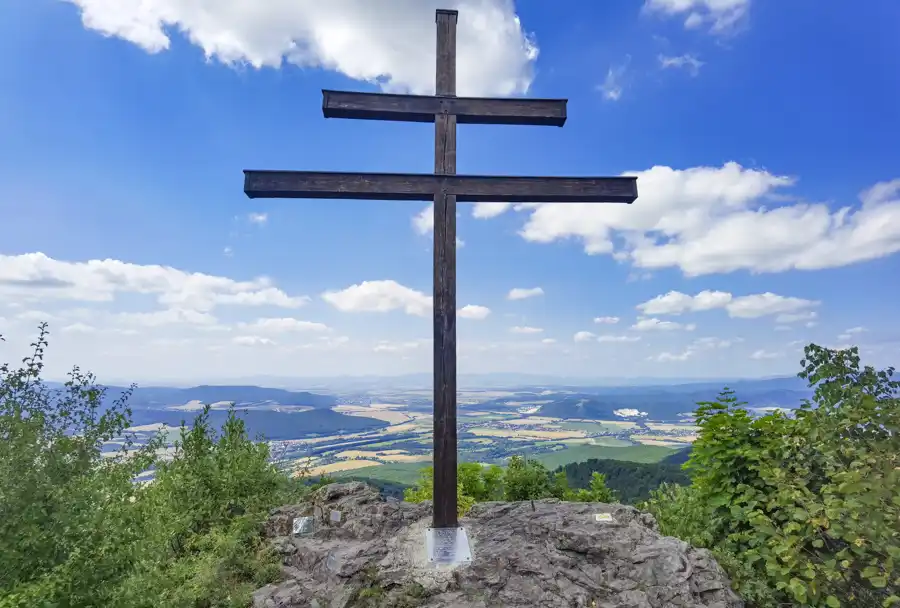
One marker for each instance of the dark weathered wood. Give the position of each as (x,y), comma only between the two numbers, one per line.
(444,306)
(422,187)
(423,108)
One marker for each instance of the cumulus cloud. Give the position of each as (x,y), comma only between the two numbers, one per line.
(548,341)
(657,325)
(252,341)
(747,307)
(697,346)
(36,276)
(606,320)
(584,336)
(520,293)
(623,339)
(720,16)
(386,346)
(281,325)
(379,296)
(390,44)
(525,330)
(764,354)
(473,311)
(707,220)
(686,62)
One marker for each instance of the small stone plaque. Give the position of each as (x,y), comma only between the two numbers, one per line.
(603,517)
(303,526)
(335,517)
(447,546)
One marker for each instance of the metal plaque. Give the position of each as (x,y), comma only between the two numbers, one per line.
(335,517)
(303,526)
(603,517)
(447,546)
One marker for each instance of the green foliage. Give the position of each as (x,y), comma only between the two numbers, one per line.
(801,509)
(521,480)
(632,481)
(77,531)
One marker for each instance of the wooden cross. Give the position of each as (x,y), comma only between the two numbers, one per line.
(445,188)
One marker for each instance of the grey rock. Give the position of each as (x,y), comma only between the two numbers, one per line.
(546,553)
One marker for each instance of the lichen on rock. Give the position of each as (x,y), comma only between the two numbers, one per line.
(546,553)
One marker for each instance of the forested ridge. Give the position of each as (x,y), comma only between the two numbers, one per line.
(800,509)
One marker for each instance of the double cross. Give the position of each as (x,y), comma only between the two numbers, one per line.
(445,188)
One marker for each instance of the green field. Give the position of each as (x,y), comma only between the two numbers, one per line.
(592,427)
(404,472)
(408,472)
(580,453)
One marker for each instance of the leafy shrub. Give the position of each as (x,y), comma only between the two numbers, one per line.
(801,509)
(76,530)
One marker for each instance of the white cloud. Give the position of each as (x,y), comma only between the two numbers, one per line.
(80,328)
(763,354)
(489,210)
(850,333)
(396,347)
(721,15)
(228,252)
(379,296)
(525,330)
(584,336)
(668,357)
(423,223)
(622,339)
(606,320)
(520,293)
(686,61)
(170,316)
(391,44)
(473,311)
(712,343)
(36,276)
(280,325)
(259,219)
(707,220)
(613,85)
(252,341)
(793,317)
(657,325)
(548,341)
(747,307)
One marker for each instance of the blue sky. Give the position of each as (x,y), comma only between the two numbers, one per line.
(750,126)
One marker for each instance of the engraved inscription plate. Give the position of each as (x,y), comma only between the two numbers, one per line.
(447,546)
(603,517)
(303,526)
(335,517)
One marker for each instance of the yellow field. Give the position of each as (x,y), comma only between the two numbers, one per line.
(344,465)
(384,455)
(386,415)
(659,426)
(672,438)
(403,428)
(386,406)
(666,444)
(407,458)
(532,420)
(483,432)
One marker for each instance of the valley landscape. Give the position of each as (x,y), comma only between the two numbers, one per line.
(385,434)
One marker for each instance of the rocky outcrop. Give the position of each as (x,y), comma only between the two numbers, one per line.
(546,553)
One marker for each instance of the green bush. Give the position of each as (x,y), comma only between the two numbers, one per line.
(801,509)
(77,531)
(521,480)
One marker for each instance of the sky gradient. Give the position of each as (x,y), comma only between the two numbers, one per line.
(764,137)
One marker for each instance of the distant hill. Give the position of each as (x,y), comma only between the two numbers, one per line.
(680,457)
(665,403)
(271,425)
(152,397)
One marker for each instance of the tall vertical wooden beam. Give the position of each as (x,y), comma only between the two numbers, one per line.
(445,283)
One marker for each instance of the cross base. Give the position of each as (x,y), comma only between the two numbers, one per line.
(447,546)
